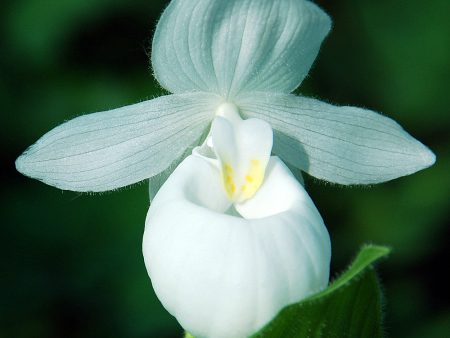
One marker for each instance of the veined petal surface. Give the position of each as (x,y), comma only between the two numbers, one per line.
(345,145)
(225,275)
(112,149)
(232,47)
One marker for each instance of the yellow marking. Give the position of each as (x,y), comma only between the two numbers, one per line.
(254,178)
(233,188)
(228,168)
(230,186)
(250,182)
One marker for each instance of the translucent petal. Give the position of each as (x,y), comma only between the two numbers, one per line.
(225,276)
(236,46)
(345,145)
(112,149)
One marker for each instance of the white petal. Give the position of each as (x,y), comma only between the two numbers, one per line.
(224,276)
(112,149)
(345,145)
(243,149)
(236,46)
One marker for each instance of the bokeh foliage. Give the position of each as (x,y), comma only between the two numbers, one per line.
(72,264)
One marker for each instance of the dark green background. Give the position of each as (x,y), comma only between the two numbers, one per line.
(71,264)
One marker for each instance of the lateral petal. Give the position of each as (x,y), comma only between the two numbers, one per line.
(345,145)
(236,46)
(225,276)
(111,149)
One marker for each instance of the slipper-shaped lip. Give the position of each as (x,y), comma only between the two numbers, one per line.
(225,272)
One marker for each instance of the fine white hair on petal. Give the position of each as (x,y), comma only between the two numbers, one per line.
(231,47)
(340,144)
(111,149)
(223,275)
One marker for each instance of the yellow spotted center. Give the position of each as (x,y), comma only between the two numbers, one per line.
(243,186)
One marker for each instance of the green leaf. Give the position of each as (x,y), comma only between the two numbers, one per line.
(349,307)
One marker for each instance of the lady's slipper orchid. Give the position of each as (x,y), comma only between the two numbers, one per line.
(231,237)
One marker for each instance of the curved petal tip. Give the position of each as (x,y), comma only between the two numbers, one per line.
(428,157)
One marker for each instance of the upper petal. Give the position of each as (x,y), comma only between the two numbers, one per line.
(225,276)
(236,46)
(112,149)
(345,145)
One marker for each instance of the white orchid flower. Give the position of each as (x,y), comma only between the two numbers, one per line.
(231,237)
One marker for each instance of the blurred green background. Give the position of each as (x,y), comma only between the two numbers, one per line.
(71,264)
